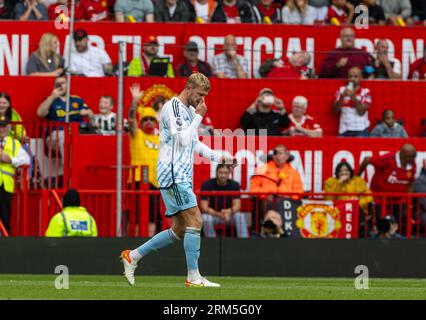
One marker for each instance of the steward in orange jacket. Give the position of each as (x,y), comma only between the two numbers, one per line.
(277,175)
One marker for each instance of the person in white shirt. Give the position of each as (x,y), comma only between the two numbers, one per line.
(12,156)
(385,67)
(298,12)
(87,60)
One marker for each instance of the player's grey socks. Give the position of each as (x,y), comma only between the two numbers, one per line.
(191,245)
(157,242)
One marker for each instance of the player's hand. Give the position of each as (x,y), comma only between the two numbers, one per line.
(136,91)
(201,108)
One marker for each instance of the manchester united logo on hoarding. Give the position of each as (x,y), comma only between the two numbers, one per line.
(152,93)
(318,219)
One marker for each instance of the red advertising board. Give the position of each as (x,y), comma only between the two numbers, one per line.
(256,42)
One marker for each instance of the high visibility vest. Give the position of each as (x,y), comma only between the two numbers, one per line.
(7,171)
(72,222)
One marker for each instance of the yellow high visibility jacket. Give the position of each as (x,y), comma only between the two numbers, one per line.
(7,171)
(72,222)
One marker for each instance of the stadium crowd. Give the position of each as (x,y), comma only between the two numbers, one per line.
(307,12)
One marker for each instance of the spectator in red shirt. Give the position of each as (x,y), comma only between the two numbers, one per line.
(93,10)
(265,12)
(338,61)
(352,103)
(302,124)
(232,11)
(295,67)
(418,68)
(394,172)
(192,63)
(340,12)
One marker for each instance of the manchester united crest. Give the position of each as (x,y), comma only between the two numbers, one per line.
(318,219)
(152,93)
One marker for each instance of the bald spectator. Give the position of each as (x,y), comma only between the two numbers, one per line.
(418,68)
(229,64)
(171,10)
(394,172)
(352,103)
(397,11)
(295,67)
(384,66)
(302,124)
(338,61)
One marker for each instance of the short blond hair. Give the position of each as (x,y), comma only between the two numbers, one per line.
(196,80)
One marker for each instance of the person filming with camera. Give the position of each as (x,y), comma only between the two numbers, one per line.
(267,112)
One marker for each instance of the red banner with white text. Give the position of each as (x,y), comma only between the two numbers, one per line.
(256,42)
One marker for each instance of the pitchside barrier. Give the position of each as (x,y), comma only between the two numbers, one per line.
(307,215)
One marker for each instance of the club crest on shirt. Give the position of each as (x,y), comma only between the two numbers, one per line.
(179,122)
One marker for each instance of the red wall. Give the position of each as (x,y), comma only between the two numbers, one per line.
(228,99)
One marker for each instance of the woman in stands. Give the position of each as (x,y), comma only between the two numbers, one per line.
(46,61)
(345,181)
(18,131)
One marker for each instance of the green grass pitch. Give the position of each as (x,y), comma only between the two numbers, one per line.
(236,288)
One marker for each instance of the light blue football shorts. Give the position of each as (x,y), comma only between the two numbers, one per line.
(178,197)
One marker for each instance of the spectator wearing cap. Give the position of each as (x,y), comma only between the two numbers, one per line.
(387,228)
(93,10)
(261,115)
(12,155)
(30,10)
(229,64)
(338,61)
(192,63)
(6,10)
(171,11)
(134,11)
(352,103)
(73,220)
(88,60)
(389,128)
(302,124)
(144,147)
(140,66)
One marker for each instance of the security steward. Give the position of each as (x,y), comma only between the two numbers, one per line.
(12,155)
(73,220)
